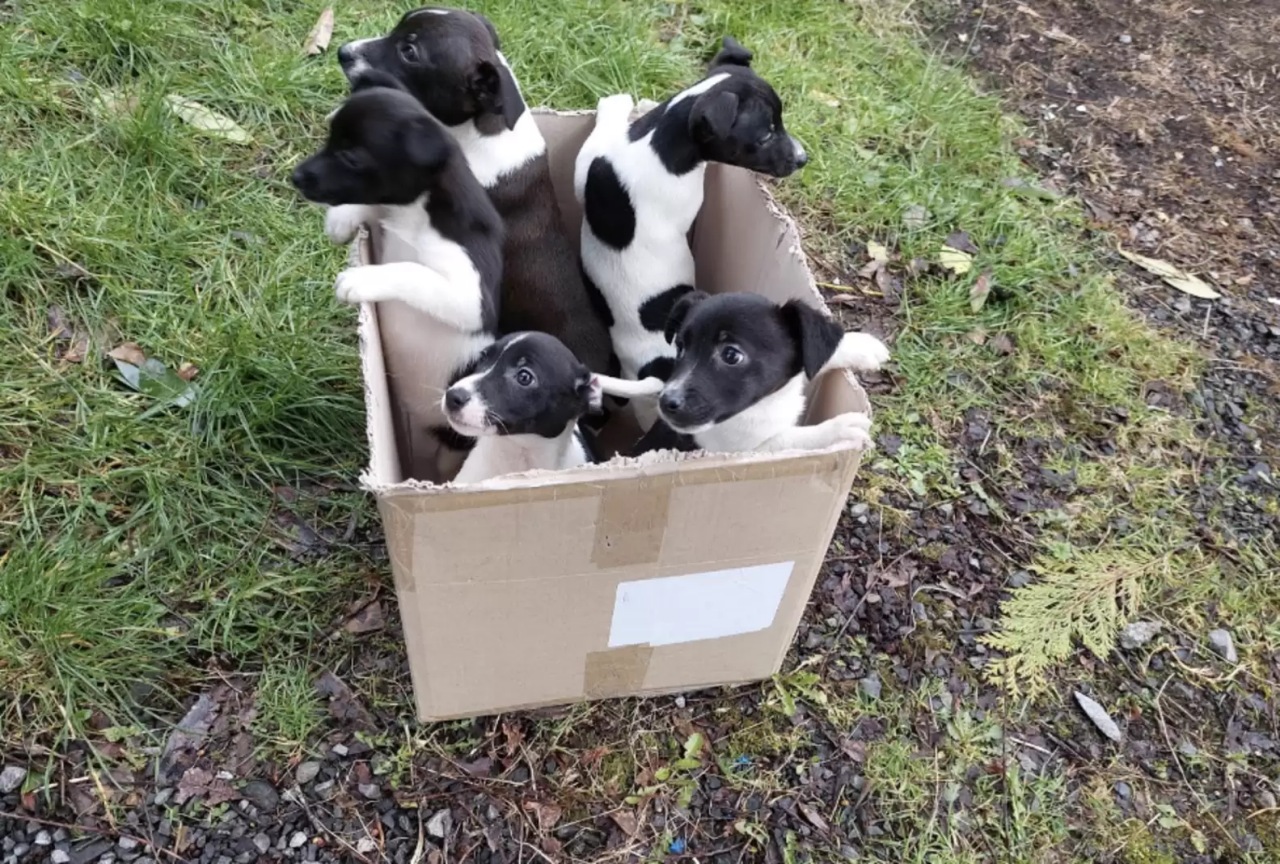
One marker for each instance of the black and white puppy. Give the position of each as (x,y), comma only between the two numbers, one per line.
(389,158)
(449,60)
(641,187)
(522,403)
(742,365)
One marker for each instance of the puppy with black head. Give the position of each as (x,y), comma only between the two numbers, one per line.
(388,157)
(449,59)
(641,187)
(522,403)
(742,365)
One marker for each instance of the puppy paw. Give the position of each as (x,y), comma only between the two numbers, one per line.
(359,285)
(860,351)
(342,223)
(853,428)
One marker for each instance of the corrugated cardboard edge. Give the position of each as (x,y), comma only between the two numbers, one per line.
(382,464)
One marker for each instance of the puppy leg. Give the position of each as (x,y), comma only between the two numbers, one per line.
(860,351)
(416,285)
(851,427)
(342,223)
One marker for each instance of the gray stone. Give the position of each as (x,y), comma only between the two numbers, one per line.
(370,791)
(163,796)
(323,788)
(298,839)
(1099,716)
(341,749)
(1019,579)
(11,778)
(44,838)
(128,844)
(60,856)
(262,843)
(1138,633)
(263,795)
(1223,645)
(871,686)
(365,845)
(439,824)
(1125,39)
(306,772)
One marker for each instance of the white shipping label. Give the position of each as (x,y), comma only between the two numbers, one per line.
(675,609)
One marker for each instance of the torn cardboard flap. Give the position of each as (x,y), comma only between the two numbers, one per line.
(664,573)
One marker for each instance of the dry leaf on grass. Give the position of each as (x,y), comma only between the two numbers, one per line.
(129,352)
(954,260)
(977,336)
(188,371)
(367,619)
(207,120)
(815,818)
(824,98)
(915,217)
(318,38)
(548,815)
(1099,716)
(626,820)
(1002,344)
(1184,282)
(877,251)
(979,291)
(961,241)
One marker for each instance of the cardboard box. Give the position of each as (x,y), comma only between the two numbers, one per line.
(672,572)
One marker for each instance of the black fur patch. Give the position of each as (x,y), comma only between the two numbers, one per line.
(655,311)
(609,210)
(598,302)
(659,367)
(662,437)
(451,439)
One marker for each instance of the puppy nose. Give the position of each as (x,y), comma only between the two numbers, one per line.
(346,55)
(300,177)
(802,158)
(456,397)
(670,401)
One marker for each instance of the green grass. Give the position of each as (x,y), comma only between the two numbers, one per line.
(142,544)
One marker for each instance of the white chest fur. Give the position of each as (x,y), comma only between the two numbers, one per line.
(496,455)
(763,421)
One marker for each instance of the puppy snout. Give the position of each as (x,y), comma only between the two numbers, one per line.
(347,55)
(456,398)
(671,401)
(802,158)
(301,177)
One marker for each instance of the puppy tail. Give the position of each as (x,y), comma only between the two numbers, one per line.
(616,109)
(630,389)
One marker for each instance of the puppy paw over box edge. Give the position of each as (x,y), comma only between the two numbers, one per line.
(667,573)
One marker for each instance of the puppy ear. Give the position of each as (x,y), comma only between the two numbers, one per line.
(495,92)
(425,145)
(675,318)
(816,335)
(732,54)
(493,31)
(712,115)
(590,391)
(370,78)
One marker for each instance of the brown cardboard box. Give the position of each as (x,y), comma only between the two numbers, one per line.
(665,573)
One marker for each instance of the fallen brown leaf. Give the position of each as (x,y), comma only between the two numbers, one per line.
(368,619)
(1002,344)
(318,38)
(978,336)
(979,291)
(515,737)
(626,820)
(548,815)
(343,704)
(962,241)
(188,371)
(1184,282)
(129,352)
(815,818)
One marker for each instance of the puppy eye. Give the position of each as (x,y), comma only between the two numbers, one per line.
(731,355)
(764,139)
(409,51)
(349,159)
(525,378)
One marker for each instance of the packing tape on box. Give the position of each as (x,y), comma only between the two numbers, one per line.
(631,523)
(616,672)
